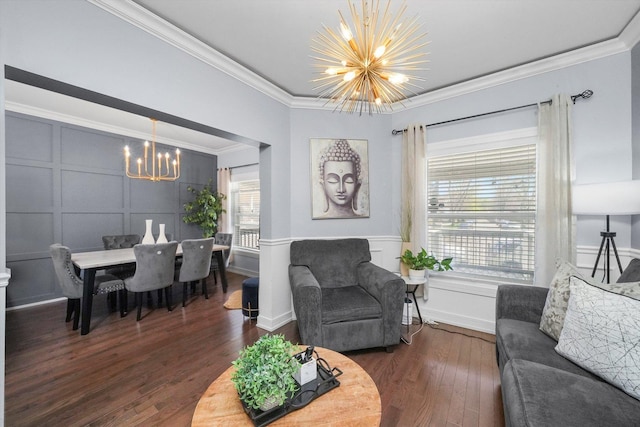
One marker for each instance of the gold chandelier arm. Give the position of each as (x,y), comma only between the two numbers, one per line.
(156,174)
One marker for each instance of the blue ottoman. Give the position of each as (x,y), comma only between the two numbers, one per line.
(250,297)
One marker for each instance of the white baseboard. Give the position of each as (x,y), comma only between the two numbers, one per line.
(271,325)
(243,271)
(473,323)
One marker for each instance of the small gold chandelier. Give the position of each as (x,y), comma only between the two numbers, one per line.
(156,172)
(366,70)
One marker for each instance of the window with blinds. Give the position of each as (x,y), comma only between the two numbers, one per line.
(481,210)
(246,213)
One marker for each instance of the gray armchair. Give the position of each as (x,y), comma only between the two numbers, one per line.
(342,300)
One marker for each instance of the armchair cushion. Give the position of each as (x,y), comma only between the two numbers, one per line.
(332,262)
(347,304)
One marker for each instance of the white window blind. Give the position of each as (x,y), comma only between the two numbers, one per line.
(481,210)
(246,213)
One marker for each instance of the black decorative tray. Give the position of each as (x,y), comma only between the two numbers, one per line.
(325,381)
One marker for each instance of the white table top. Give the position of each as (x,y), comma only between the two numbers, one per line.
(409,281)
(108,258)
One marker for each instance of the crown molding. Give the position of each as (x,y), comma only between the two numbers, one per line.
(140,17)
(117,130)
(630,36)
(554,63)
(145,20)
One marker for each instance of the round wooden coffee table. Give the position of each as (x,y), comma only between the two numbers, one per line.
(355,402)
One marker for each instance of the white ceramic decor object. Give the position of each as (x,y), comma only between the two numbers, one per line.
(162,238)
(148,235)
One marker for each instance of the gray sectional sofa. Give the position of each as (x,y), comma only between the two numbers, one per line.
(539,386)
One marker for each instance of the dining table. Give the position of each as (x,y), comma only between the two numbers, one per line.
(90,262)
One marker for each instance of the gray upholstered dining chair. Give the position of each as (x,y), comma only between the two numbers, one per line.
(155,268)
(196,264)
(121,241)
(72,286)
(225,239)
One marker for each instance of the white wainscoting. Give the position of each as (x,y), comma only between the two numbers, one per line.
(470,303)
(275,304)
(452,299)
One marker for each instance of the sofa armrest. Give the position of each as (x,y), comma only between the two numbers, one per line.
(520,302)
(389,289)
(307,302)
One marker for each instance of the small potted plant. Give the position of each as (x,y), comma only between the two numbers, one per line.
(264,372)
(422,261)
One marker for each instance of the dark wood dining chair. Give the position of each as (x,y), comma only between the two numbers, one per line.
(196,264)
(155,269)
(72,286)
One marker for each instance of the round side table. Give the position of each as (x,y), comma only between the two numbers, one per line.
(412,286)
(355,402)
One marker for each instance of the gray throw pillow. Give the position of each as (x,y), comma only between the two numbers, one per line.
(555,307)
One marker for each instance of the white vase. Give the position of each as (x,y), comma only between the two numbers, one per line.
(416,274)
(161,237)
(148,235)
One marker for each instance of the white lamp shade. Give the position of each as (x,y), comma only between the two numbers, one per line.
(609,198)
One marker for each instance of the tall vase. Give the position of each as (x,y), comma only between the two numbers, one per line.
(148,235)
(404,270)
(161,237)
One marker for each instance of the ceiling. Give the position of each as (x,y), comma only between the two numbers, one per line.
(272,38)
(468,38)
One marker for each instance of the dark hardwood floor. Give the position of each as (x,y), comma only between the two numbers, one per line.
(153,372)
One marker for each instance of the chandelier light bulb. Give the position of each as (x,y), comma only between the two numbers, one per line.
(345,31)
(379,51)
(349,76)
(398,79)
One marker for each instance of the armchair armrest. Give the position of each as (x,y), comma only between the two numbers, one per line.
(520,302)
(389,290)
(307,302)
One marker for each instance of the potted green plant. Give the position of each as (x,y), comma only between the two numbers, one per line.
(264,372)
(422,261)
(205,209)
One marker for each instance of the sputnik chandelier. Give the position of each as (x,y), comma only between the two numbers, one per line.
(156,172)
(366,66)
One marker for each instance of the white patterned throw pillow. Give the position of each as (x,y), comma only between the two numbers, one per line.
(601,334)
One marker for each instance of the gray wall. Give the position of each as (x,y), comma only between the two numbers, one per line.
(66,184)
(602,145)
(635,135)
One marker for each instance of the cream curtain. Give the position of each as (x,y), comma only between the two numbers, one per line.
(224,180)
(414,180)
(555,228)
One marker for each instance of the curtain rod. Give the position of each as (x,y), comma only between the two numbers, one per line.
(241,166)
(584,95)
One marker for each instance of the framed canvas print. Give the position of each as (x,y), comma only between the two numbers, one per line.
(339,178)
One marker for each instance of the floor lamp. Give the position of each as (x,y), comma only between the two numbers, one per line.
(611,198)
